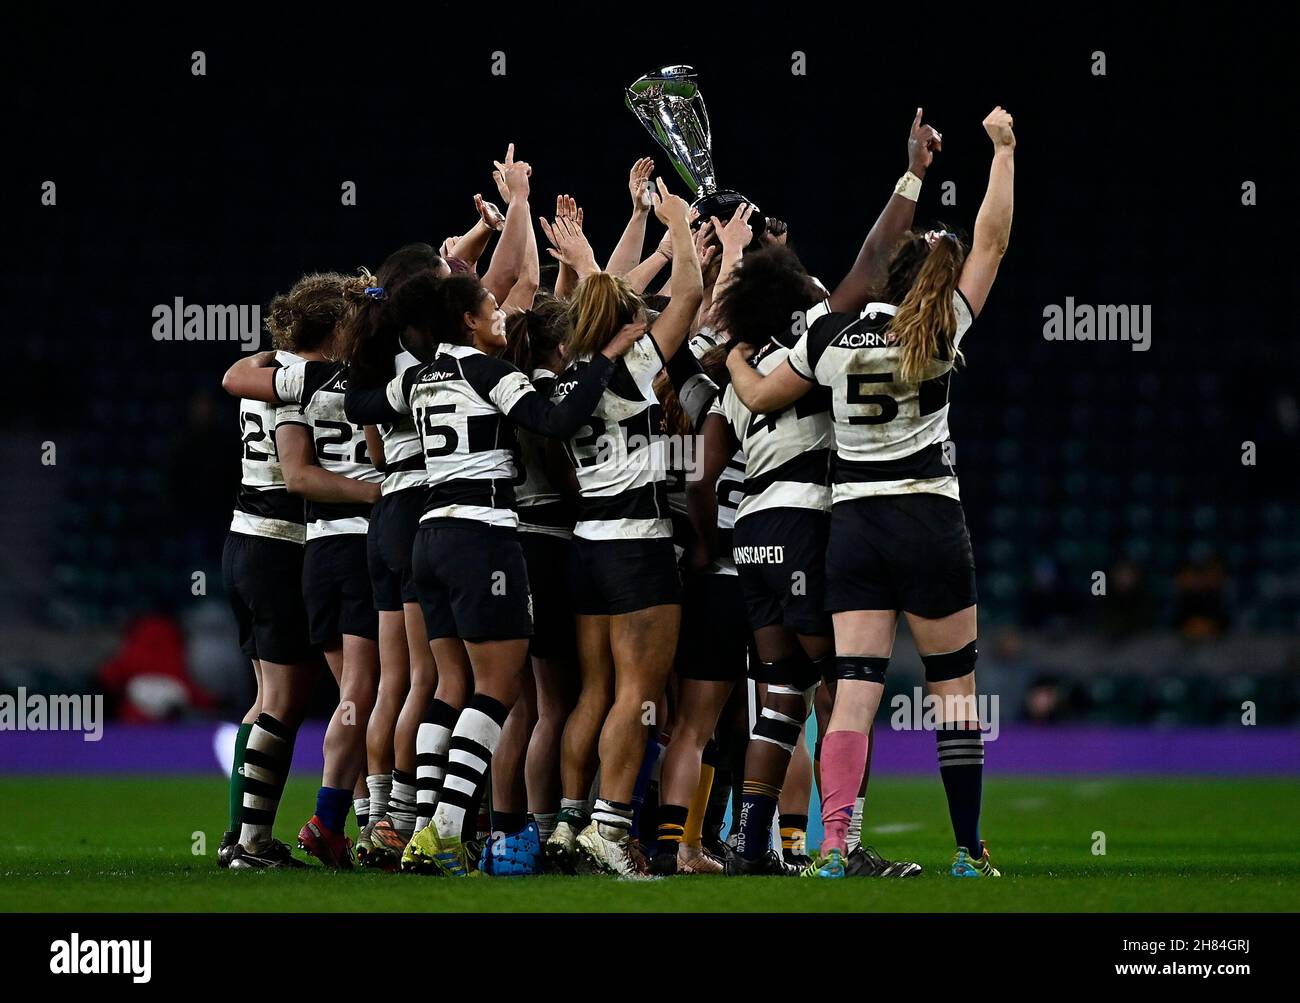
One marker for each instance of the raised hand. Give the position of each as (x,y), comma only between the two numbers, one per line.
(569,244)
(514,174)
(737,234)
(492,217)
(566,207)
(670,208)
(638,184)
(998,125)
(923,142)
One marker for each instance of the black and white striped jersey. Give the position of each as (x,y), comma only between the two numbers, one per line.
(466,405)
(731,492)
(540,504)
(403,454)
(889,435)
(313,396)
(263,506)
(787,454)
(618,452)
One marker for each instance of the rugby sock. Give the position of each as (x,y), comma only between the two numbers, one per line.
(855,825)
(844,759)
(700,800)
(266,767)
(431,741)
(757,806)
(546,821)
(648,762)
(380,786)
(332,804)
(961,765)
(401,802)
(794,830)
(574,811)
(613,819)
(361,808)
(508,822)
(716,813)
(672,828)
(237,776)
(469,754)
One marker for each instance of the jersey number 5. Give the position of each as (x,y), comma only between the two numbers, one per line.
(446,433)
(856,390)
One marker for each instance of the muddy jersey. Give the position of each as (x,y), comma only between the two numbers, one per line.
(263,505)
(313,393)
(889,434)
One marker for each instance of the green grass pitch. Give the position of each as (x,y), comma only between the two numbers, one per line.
(1176,845)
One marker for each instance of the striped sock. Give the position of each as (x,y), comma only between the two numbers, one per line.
(380,786)
(361,808)
(613,819)
(855,824)
(672,827)
(266,767)
(469,754)
(401,802)
(961,765)
(754,831)
(237,777)
(546,821)
(431,741)
(794,830)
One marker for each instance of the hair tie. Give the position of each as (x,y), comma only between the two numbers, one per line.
(376,292)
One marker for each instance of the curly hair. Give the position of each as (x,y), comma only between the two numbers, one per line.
(306,317)
(768,292)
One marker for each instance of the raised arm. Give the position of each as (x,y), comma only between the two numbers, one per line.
(734,237)
(469,247)
(867,275)
(569,246)
(993,224)
(304,476)
(524,292)
(507,260)
(627,252)
(764,394)
(672,326)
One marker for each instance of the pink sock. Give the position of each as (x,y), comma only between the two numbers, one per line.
(844,760)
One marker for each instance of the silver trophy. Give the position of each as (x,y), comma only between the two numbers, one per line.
(669,104)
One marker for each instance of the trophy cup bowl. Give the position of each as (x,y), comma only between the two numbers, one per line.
(668,103)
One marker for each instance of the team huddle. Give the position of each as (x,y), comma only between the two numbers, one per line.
(552,528)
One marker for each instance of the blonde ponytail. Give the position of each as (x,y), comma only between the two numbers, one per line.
(600,305)
(926,322)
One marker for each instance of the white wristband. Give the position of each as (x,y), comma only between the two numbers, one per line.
(909,186)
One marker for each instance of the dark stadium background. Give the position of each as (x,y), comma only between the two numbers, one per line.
(1074,458)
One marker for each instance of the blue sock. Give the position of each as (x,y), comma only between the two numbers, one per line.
(332,804)
(648,761)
